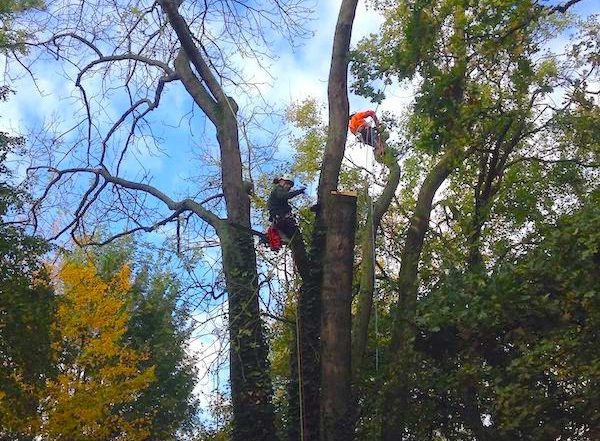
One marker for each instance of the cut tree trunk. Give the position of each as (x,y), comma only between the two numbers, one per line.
(336,402)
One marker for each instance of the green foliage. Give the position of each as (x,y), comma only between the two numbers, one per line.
(507,340)
(310,143)
(283,348)
(144,324)
(161,326)
(466,57)
(11,38)
(519,344)
(26,308)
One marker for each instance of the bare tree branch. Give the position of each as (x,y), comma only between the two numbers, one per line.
(178,206)
(187,42)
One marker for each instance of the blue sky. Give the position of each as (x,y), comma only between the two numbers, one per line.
(297,73)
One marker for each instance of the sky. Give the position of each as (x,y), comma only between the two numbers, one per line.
(298,72)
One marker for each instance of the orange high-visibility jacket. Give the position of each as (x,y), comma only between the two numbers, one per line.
(358,120)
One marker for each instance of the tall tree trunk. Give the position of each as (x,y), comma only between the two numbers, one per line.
(310,295)
(309,331)
(491,169)
(336,403)
(294,416)
(403,333)
(296,391)
(251,388)
(472,414)
(364,306)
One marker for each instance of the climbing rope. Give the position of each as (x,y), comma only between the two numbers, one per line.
(282,257)
(370,171)
(299,367)
(299,358)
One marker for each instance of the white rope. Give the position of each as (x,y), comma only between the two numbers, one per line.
(375,296)
(370,166)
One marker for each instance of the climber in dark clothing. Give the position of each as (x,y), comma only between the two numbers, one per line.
(280,211)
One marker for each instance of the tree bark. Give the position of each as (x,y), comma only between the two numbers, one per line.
(336,402)
(337,95)
(309,330)
(294,416)
(251,389)
(302,415)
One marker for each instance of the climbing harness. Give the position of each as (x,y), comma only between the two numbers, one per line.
(273,238)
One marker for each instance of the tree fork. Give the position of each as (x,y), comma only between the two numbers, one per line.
(364,305)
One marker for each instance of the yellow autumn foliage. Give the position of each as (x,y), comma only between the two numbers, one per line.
(98,374)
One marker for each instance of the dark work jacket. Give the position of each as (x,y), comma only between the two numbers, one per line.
(278,201)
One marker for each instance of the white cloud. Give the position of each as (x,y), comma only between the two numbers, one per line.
(303,71)
(34,101)
(209,348)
